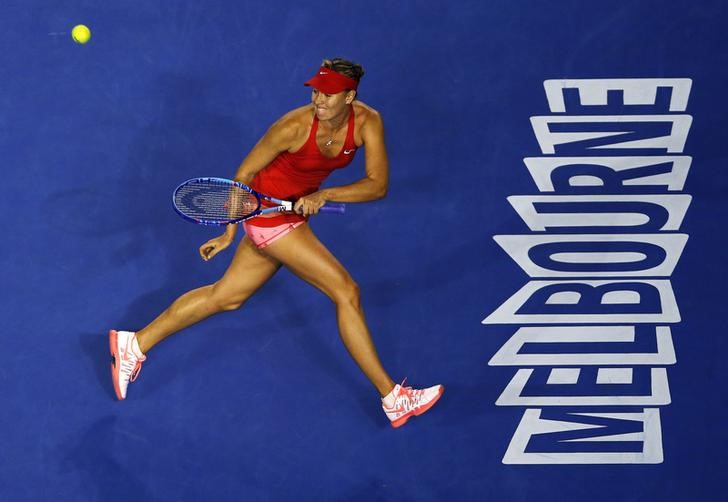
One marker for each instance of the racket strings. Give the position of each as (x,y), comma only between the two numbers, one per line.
(215,202)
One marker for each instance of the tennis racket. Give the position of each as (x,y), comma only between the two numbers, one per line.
(219,201)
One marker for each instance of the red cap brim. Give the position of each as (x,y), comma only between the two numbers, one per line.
(330,82)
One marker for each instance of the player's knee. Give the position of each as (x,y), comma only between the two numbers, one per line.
(230,304)
(226,302)
(348,292)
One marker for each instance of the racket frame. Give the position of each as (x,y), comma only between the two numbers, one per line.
(280,207)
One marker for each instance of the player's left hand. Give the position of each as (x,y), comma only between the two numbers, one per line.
(309,204)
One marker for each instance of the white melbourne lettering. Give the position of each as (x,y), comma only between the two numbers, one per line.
(593,317)
(543,439)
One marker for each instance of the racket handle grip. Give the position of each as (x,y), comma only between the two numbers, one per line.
(333,207)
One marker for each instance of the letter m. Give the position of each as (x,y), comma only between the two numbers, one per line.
(553,437)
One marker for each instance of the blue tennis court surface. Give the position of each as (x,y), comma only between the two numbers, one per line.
(552,250)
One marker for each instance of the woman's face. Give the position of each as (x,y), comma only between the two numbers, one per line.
(329,106)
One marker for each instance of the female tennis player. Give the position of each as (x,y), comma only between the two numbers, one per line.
(290,162)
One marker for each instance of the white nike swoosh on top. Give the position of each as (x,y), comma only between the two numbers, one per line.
(349,152)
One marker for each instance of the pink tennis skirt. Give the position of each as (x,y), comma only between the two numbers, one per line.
(265,236)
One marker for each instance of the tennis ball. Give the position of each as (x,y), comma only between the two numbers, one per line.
(81,34)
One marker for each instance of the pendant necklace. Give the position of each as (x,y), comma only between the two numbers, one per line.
(331,140)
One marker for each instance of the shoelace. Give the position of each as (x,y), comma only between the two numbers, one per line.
(408,397)
(135,372)
(126,365)
(132,369)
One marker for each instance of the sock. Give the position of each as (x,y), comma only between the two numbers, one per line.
(135,348)
(389,399)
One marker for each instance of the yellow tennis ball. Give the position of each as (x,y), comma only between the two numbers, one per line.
(81,34)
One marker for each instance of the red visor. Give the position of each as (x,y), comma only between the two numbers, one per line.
(331,82)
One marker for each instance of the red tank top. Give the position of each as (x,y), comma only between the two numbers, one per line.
(293,175)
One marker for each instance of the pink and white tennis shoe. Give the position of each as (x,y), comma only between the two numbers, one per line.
(407,402)
(126,363)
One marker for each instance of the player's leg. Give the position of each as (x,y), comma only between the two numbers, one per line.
(307,257)
(248,271)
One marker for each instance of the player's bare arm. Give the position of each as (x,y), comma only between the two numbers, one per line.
(283,135)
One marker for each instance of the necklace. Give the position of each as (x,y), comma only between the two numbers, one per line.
(334,132)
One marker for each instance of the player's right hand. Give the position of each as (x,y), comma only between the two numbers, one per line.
(209,249)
